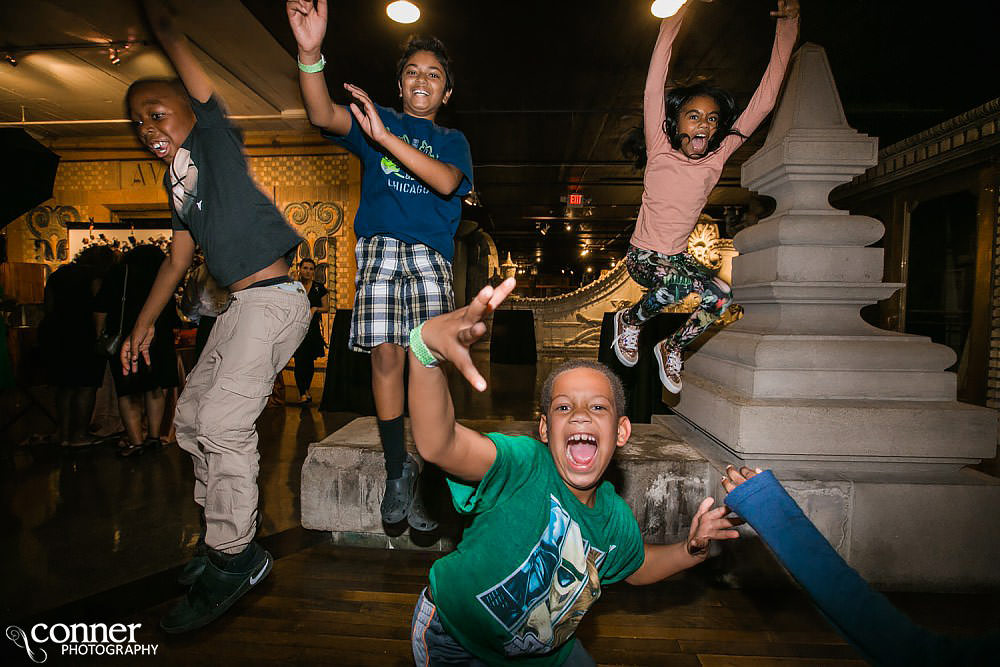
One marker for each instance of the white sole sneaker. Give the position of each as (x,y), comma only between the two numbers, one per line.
(625,361)
(672,387)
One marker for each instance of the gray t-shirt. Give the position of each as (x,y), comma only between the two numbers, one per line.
(213,197)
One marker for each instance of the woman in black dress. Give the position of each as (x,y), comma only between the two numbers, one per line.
(143,389)
(68,338)
(313,345)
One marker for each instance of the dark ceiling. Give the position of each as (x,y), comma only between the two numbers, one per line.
(546,90)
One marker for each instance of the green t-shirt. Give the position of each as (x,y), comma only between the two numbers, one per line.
(533,559)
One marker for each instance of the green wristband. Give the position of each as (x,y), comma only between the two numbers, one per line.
(419,348)
(315,67)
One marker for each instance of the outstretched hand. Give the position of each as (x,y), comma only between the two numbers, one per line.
(161,17)
(449,336)
(710,524)
(365,113)
(734,477)
(308,22)
(137,343)
(787,9)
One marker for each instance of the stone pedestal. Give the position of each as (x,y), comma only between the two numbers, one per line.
(802,381)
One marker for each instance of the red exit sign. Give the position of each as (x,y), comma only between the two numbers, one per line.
(576,200)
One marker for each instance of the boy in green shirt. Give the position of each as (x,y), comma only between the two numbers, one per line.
(546,532)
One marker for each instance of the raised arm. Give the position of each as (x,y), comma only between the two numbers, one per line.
(766,95)
(865,617)
(308,22)
(178,50)
(653,101)
(171,272)
(457,450)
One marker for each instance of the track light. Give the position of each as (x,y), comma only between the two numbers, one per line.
(661,9)
(403,11)
(11,60)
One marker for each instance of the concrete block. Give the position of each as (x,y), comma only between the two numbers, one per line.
(928,535)
(343,478)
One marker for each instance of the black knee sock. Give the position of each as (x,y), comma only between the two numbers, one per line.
(390,431)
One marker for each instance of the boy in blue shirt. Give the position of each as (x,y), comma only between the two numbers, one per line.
(414,175)
(546,531)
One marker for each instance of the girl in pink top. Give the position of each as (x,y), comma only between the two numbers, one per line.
(689,134)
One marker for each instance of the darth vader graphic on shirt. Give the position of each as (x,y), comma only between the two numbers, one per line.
(543,601)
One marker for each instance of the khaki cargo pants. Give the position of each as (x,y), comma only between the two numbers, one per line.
(223,396)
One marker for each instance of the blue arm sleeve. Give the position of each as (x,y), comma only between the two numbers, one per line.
(882,633)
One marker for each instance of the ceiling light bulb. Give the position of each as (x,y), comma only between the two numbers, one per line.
(661,9)
(403,11)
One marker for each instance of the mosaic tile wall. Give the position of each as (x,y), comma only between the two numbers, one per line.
(315,188)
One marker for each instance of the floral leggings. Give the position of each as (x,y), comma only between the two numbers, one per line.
(668,279)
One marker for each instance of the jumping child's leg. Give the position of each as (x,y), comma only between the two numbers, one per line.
(664,286)
(715,298)
(267,324)
(427,292)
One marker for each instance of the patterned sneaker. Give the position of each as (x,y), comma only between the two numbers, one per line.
(625,341)
(670,363)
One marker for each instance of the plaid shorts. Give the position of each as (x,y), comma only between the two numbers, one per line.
(399,285)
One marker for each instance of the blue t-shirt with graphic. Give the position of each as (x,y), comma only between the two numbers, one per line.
(395,203)
(533,559)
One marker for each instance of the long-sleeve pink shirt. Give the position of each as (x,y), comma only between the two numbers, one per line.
(676,187)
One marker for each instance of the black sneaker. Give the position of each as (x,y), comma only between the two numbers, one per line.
(217,589)
(399,494)
(195,566)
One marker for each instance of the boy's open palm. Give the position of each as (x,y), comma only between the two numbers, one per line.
(710,524)
(449,336)
(308,22)
(365,113)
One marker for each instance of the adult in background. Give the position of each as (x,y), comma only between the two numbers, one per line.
(313,344)
(141,391)
(68,341)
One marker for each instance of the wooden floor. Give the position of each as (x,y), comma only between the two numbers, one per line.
(327,605)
